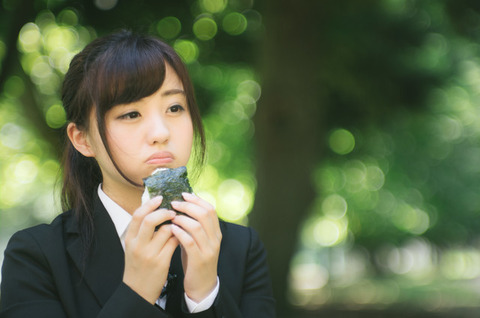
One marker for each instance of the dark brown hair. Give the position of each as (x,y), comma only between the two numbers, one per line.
(119,68)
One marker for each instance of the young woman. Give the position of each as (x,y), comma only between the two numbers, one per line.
(131,109)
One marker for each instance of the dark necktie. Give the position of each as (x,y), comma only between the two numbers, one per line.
(171,279)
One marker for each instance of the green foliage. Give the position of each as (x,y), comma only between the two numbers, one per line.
(397,212)
(398,192)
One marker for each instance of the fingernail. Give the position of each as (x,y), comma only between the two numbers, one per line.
(187,194)
(175,203)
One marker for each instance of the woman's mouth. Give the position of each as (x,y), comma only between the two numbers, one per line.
(160,158)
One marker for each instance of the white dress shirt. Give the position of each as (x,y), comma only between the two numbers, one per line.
(121,219)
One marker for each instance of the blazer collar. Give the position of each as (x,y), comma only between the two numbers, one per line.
(103,268)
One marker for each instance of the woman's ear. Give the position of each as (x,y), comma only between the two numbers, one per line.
(79,139)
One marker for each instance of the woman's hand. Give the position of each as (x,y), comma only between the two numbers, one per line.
(200,238)
(148,252)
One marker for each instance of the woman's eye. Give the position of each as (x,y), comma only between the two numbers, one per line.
(175,109)
(131,115)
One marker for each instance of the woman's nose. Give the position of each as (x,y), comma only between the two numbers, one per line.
(157,129)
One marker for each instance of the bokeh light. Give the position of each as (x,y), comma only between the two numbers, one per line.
(254,20)
(375,178)
(342,141)
(214,77)
(169,27)
(30,38)
(105,4)
(67,17)
(411,219)
(234,23)
(306,277)
(12,136)
(55,37)
(55,116)
(14,87)
(330,231)
(461,264)
(234,200)
(26,169)
(205,28)
(213,6)
(334,206)
(187,50)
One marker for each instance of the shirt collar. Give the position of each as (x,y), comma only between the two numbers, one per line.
(121,218)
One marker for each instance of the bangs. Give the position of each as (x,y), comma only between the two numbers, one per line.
(127,73)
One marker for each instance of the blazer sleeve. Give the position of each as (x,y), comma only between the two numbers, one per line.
(32,287)
(256,299)
(27,287)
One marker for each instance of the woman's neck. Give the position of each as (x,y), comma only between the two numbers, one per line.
(128,197)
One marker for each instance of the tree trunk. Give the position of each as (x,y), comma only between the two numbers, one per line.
(288,132)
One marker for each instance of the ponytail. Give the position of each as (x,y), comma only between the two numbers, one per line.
(81,178)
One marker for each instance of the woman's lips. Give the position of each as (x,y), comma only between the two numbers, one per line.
(160,158)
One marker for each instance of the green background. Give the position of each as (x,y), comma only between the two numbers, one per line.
(346,132)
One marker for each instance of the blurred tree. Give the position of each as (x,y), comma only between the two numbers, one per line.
(289,129)
(324,65)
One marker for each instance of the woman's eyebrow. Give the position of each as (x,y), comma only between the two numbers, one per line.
(174,91)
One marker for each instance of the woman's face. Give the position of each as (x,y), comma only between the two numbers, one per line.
(151,133)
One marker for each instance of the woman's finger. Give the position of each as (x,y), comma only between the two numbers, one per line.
(190,197)
(207,217)
(139,215)
(169,248)
(186,240)
(193,228)
(161,237)
(150,223)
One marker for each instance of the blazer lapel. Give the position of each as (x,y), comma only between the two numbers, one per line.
(103,268)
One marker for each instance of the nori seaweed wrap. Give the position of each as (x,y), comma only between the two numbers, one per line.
(169,183)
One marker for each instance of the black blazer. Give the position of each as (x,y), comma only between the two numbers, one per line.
(43,265)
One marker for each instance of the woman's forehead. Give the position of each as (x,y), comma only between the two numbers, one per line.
(172,80)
